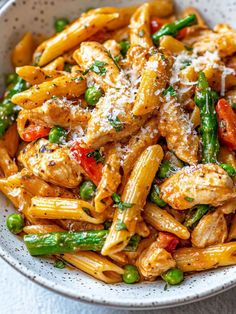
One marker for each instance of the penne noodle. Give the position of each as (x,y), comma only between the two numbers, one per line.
(36,75)
(140,27)
(110,180)
(163,221)
(232,230)
(38,229)
(154,80)
(135,194)
(59,87)
(11,140)
(172,44)
(55,65)
(72,36)
(195,259)
(7,164)
(95,265)
(23,52)
(58,208)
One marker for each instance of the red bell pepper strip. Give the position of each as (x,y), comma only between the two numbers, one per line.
(89,164)
(226,123)
(34,132)
(167,241)
(157,23)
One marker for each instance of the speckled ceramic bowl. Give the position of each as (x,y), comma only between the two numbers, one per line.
(16,17)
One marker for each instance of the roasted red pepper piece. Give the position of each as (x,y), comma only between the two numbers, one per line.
(89,164)
(226,123)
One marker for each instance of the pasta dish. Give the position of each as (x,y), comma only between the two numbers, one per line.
(117,143)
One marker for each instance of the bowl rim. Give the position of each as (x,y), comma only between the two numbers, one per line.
(46,283)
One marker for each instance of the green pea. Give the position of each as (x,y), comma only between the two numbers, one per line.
(57,135)
(92,95)
(60,24)
(229,169)
(131,274)
(87,190)
(15,223)
(124,47)
(155,198)
(173,276)
(11,78)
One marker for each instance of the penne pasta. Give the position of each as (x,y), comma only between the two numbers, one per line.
(57,208)
(72,36)
(64,85)
(135,194)
(23,52)
(11,140)
(172,44)
(195,259)
(36,75)
(140,27)
(110,181)
(7,164)
(154,80)
(96,266)
(38,229)
(163,221)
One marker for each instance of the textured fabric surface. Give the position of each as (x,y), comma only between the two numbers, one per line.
(18,295)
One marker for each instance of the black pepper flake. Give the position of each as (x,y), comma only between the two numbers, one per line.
(51,163)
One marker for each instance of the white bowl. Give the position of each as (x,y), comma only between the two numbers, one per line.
(16,17)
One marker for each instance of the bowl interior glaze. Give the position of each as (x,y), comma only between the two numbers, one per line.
(16,17)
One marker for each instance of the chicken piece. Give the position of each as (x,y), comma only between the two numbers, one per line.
(228,207)
(51,163)
(202,184)
(212,229)
(178,130)
(223,40)
(61,112)
(154,261)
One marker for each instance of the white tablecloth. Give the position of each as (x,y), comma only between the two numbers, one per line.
(18,295)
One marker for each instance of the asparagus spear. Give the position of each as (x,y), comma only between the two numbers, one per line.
(68,242)
(7,108)
(155,196)
(205,99)
(173,28)
(193,218)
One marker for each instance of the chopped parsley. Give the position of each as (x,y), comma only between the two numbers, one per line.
(114,60)
(120,225)
(59,264)
(185,64)
(118,202)
(188,48)
(115,123)
(97,156)
(189,199)
(141,33)
(77,79)
(54,97)
(170,91)
(97,67)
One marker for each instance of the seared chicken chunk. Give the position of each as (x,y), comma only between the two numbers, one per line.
(178,130)
(202,184)
(154,261)
(51,163)
(212,229)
